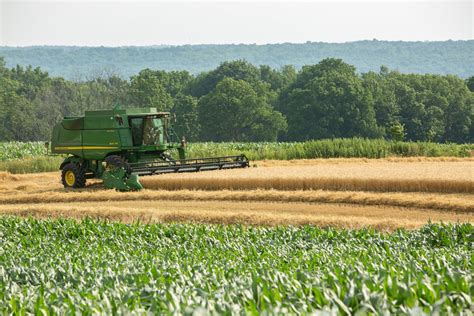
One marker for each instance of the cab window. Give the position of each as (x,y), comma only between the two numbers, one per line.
(136,124)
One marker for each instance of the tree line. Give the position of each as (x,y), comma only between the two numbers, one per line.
(80,63)
(238,101)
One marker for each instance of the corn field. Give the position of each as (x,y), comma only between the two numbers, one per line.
(66,266)
(19,150)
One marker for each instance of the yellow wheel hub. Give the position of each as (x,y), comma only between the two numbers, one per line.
(70,178)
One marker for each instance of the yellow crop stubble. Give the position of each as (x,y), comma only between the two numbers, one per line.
(385,194)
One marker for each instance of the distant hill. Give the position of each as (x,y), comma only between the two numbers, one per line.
(448,57)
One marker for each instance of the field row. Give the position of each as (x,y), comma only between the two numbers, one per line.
(345,175)
(357,214)
(444,202)
(96,267)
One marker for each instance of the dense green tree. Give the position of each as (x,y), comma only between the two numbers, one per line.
(32,80)
(238,70)
(235,111)
(237,101)
(470,83)
(328,100)
(187,121)
(52,103)
(384,99)
(433,107)
(175,82)
(459,116)
(3,69)
(104,93)
(16,113)
(278,79)
(147,90)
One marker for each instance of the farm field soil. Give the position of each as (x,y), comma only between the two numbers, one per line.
(385,194)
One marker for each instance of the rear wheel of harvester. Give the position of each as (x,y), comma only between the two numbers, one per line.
(73,176)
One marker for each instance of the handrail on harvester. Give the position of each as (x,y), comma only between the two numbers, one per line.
(189,165)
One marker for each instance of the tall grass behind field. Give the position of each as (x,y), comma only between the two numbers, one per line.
(32,164)
(330,148)
(78,267)
(30,157)
(327,148)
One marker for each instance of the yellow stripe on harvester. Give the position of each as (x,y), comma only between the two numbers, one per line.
(83,147)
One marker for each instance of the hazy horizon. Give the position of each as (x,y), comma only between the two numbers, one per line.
(161,23)
(225,44)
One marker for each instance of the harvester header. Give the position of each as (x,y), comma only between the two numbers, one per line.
(120,144)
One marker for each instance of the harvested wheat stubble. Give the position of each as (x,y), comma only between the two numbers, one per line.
(274,193)
(254,213)
(447,202)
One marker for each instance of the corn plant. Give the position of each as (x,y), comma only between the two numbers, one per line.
(92,267)
(19,150)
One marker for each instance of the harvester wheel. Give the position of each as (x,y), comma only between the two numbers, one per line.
(73,176)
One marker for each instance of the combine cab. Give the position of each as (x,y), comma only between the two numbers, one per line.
(119,145)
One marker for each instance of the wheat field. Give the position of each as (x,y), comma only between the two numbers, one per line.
(384,194)
(395,175)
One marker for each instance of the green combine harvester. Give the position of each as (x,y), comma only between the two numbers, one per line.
(119,145)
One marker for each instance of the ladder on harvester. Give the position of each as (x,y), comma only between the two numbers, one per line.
(188,165)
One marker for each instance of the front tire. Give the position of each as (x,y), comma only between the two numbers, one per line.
(73,176)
